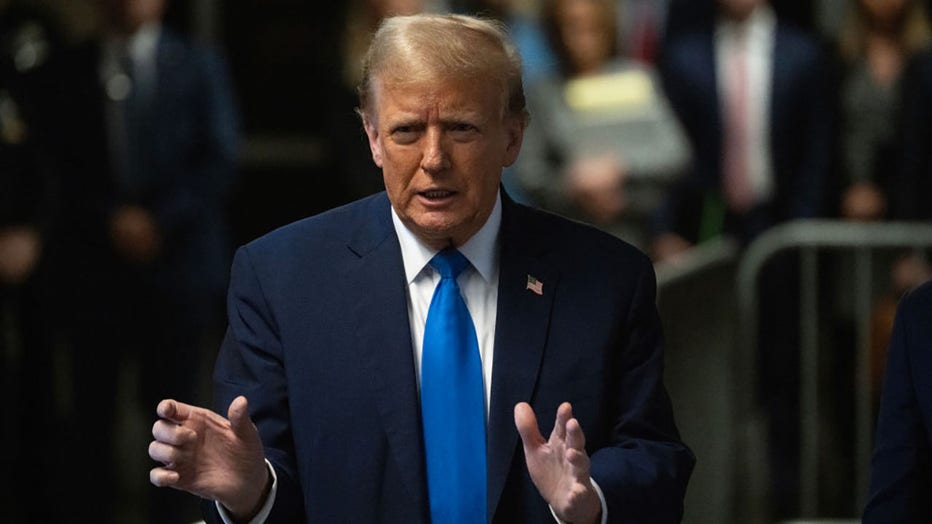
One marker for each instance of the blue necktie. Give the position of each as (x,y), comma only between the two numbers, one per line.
(453,402)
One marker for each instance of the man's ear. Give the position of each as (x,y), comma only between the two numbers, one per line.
(514,129)
(372,132)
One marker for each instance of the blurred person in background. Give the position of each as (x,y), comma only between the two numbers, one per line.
(603,146)
(752,93)
(876,44)
(28,44)
(148,147)
(908,177)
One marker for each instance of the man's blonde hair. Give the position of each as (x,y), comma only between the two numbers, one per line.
(426,47)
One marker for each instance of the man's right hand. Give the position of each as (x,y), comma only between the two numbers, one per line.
(211,456)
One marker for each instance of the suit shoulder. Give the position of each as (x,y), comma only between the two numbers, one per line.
(578,243)
(317,230)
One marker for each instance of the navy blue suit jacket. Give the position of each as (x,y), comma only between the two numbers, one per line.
(800,128)
(319,342)
(901,467)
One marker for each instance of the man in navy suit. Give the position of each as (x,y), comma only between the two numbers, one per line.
(751,91)
(327,314)
(901,468)
(147,149)
(784,150)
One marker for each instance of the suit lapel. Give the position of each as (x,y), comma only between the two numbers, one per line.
(521,328)
(384,341)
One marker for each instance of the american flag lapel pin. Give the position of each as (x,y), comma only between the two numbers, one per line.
(535,285)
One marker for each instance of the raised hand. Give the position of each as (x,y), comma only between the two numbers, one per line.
(559,466)
(211,456)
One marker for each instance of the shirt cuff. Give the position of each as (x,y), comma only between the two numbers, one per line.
(267,507)
(598,491)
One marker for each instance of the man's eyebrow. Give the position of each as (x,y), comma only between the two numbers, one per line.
(462,116)
(404,121)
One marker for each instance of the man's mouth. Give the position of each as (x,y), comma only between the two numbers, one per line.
(436,194)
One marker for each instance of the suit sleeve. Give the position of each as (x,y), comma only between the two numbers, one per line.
(644,474)
(900,466)
(814,133)
(250,363)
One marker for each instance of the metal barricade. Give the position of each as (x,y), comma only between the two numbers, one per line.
(699,368)
(809,238)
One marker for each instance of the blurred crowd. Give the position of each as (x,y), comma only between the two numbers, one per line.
(665,122)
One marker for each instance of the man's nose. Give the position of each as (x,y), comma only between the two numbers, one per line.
(435,158)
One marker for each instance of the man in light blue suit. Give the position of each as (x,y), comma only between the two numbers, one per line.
(327,328)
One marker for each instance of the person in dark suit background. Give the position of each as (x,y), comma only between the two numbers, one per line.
(783,148)
(752,92)
(326,317)
(901,466)
(147,148)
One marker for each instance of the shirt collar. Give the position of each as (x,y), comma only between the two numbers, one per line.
(480,250)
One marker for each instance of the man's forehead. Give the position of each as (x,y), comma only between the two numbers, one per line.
(449,95)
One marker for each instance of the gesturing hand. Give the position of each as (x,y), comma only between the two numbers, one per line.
(210,456)
(559,466)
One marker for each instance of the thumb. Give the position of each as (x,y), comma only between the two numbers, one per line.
(238,414)
(526,422)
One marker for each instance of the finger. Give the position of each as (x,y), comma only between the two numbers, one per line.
(171,433)
(175,411)
(576,450)
(564,413)
(238,413)
(575,438)
(526,422)
(161,452)
(162,477)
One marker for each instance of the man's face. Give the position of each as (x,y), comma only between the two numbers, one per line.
(442,146)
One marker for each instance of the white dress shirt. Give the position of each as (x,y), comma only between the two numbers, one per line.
(479,288)
(757,32)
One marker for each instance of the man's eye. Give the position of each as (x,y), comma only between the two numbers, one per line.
(404,134)
(462,127)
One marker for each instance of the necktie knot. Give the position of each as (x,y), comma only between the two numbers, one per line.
(449,263)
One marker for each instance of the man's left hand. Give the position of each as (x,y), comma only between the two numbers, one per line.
(559,466)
